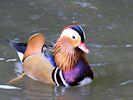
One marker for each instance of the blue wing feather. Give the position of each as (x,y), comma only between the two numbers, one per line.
(49,55)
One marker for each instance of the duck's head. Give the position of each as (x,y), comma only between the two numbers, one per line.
(70,47)
(74,35)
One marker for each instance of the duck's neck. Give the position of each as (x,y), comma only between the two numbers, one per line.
(66,57)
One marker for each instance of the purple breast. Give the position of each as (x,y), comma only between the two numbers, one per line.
(80,71)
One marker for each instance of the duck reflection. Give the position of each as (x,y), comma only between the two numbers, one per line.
(38,91)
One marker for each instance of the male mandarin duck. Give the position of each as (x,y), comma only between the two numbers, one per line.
(64,65)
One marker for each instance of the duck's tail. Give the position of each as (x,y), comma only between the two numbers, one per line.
(19,47)
(35,44)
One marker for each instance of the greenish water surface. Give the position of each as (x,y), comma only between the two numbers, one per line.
(109,34)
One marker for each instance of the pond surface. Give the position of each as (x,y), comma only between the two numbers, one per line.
(109,33)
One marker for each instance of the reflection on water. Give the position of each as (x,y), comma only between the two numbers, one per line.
(51,92)
(108,25)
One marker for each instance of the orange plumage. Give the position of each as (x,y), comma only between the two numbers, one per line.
(65,55)
(35,44)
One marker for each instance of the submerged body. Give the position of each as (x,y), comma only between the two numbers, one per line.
(65,64)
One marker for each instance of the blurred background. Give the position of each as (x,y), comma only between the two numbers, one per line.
(109,34)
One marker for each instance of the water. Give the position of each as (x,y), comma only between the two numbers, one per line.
(108,25)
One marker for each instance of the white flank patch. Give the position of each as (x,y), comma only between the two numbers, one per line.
(20,55)
(9,87)
(85,81)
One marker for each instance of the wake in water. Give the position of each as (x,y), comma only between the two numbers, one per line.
(126,82)
(9,87)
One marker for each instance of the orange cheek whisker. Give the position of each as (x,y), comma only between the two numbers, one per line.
(66,56)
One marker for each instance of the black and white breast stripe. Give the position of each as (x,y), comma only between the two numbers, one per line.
(58,78)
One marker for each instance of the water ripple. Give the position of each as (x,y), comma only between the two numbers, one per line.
(84,5)
(8,60)
(98,64)
(9,87)
(11,60)
(110,46)
(35,17)
(126,82)
(1,59)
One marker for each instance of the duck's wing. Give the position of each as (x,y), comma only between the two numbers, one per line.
(49,55)
(36,65)
(21,48)
(35,44)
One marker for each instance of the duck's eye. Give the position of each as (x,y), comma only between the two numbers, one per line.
(73,37)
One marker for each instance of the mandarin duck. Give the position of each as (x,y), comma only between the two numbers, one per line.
(65,64)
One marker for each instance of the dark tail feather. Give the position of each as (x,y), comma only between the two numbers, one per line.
(20,47)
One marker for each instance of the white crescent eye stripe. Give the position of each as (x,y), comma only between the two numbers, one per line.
(70,33)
